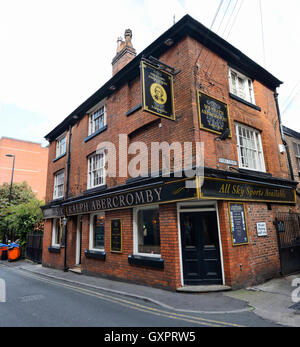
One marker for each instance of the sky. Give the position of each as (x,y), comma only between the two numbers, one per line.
(54,54)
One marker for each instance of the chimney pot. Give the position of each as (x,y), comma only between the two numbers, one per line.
(125,52)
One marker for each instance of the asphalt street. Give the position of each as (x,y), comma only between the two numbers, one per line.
(35,301)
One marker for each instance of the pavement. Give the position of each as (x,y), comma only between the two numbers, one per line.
(271,301)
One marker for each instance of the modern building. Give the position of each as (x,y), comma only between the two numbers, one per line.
(218,226)
(31,162)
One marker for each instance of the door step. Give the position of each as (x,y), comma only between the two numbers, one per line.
(203,289)
(76,270)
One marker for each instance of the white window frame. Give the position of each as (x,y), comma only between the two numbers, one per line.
(91,173)
(135,231)
(235,90)
(61,147)
(56,185)
(54,231)
(256,150)
(91,236)
(297,154)
(92,113)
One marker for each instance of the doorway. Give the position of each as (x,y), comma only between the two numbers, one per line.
(200,246)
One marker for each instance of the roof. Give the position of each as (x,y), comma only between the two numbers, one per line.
(187,26)
(290,132)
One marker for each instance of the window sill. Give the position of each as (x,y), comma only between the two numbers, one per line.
(245,102)
(56,159)
(150,262)
(133,110)
(95,190)
(54,249)
(57,200)
(98,132)
(99,255)
(255,173)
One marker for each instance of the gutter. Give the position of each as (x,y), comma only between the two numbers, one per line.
(283,137)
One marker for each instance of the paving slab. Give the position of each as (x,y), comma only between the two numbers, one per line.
(273,300)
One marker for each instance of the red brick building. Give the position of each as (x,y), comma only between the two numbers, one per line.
(158,230)
(31,161)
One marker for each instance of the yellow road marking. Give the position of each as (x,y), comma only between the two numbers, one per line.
(139,307)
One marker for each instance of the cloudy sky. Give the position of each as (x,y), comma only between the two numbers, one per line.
(56,53)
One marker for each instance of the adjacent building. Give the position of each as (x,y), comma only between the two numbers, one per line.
(31,162)
(292,139)
(219,226)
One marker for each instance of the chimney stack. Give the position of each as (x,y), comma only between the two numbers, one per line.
(125,52)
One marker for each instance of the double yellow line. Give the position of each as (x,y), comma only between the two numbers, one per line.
(139,307)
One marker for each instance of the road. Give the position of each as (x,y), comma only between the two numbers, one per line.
(35,301)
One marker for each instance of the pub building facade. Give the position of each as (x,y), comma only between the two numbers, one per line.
(188,86)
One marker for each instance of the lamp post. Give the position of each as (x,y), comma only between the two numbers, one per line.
(12,180)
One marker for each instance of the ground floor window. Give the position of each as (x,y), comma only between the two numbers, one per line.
(56,232)
(147,231)
(97,231)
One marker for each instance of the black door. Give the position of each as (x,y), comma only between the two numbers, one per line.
(200,248)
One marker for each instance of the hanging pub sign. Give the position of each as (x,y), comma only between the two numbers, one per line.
(238,224)
(116,236)
(213,114)
(157,91)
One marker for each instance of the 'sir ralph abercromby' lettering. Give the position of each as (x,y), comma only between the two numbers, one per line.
(147,196)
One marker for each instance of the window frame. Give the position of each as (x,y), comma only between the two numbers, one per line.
(91,127)
(135,232)
(58,145)
(296,148)
(91,232)
(55,185)
(250,95)
(89,178)
(259,153)
(54,231)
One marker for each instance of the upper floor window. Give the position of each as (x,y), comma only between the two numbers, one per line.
(97,120)
(297,154)
(241,86)
(96,170)
(59,182)
(250,150)
(61,144)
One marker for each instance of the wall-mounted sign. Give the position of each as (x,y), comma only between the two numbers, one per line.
(261,229)
(238,224)
(116,236)
(157,91)
(213,114)
(171,191)
(227,161)
(224,189)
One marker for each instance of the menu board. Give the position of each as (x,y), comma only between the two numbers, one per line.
(116,236)
(238,224)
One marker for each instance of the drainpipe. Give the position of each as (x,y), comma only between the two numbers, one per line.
(65,222)
(283,138)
